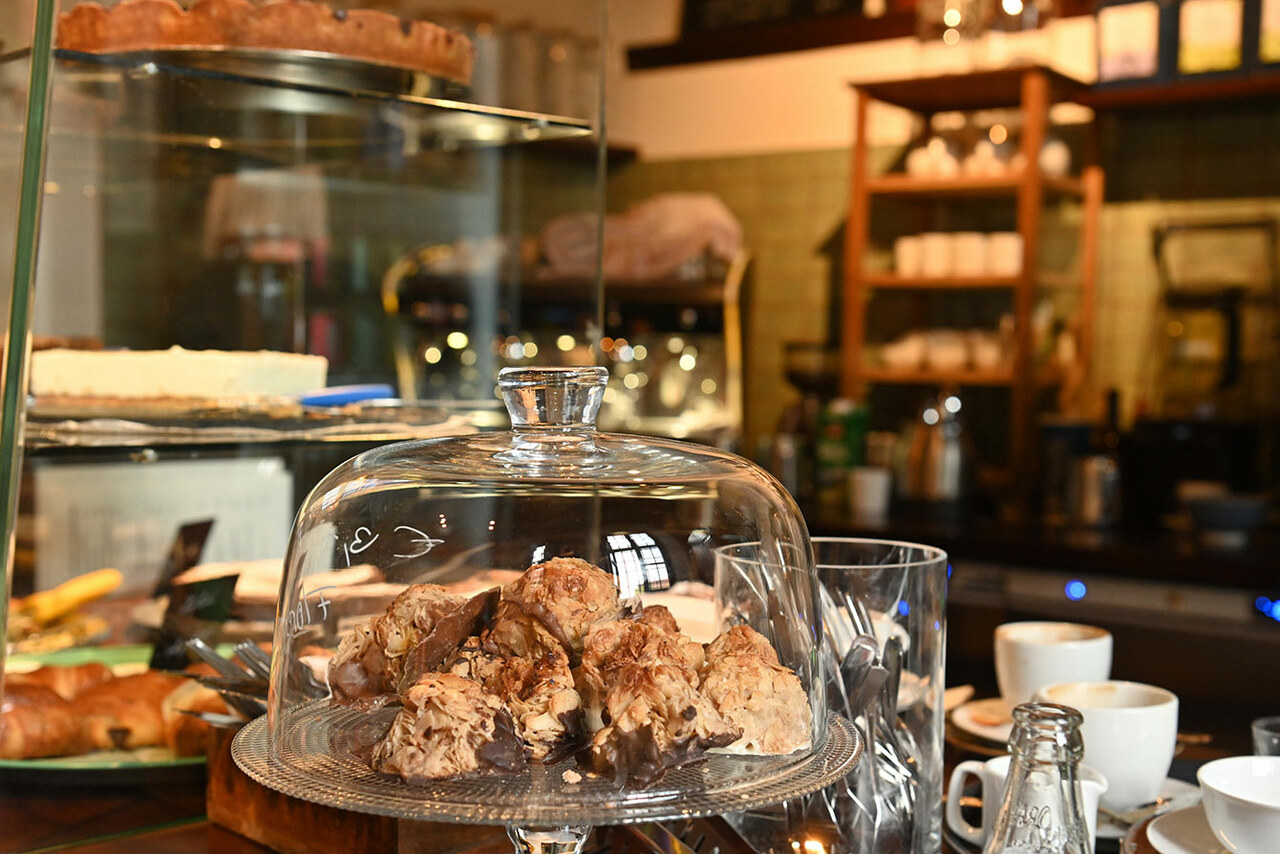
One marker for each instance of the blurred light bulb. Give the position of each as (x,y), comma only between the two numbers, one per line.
(457,340)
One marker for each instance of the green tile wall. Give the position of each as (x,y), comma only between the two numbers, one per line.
(791,205)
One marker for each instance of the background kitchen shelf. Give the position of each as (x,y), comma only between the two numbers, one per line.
(1176,96)
(893,280)
(1032,90)
(1003,185)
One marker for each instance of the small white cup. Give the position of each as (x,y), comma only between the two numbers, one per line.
(992,774)
(908,256)
(869,491)
(1031,655)
(1242,802)
(970,249)
(937,254)
(1004,253)
(1130,731)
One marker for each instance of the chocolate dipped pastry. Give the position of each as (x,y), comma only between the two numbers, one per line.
(539,693)
(419,630)
(655,720)
(449,727)
(553,604)
(756,694)
(613,647)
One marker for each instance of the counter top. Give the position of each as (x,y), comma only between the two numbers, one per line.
(1140,554)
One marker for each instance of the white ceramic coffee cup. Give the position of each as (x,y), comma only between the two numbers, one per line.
(1004,253)
(870,488)
(991,774)
(970,251)
(908,256)
(937,254)
(1130,731)
(1031,655)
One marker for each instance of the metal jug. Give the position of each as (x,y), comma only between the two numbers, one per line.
(937,463)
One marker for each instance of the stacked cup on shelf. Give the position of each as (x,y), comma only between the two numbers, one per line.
(961,254)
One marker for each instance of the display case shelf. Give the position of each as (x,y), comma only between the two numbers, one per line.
(202,85)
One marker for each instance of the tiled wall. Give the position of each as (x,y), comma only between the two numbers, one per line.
(793,205)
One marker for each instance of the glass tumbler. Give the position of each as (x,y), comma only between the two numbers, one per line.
(1266,736)
(899,590)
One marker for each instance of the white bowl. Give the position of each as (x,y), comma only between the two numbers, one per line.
(1242,802)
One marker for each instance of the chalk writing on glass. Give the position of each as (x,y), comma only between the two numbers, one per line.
(300,616)
(419,540)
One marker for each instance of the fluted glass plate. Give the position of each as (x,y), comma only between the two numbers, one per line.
(323,756)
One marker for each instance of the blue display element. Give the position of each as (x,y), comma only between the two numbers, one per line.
(1263,604)
(903,608)
(1275,610)
(343,394)
(1076,590)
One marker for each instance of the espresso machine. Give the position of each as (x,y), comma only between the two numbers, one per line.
(1218,324)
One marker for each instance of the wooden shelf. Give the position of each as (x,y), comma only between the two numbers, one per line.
(894,281)
(1046,376)
(979,90)
(929,376)
(1214,91)
(772,37)
(903,185)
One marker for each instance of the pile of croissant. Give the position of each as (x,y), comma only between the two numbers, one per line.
(72,710)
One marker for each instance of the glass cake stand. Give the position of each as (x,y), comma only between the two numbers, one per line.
(322,756)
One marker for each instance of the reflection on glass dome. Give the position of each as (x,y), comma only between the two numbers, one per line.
(541,593)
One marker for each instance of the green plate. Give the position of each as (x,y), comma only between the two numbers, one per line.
(105,767)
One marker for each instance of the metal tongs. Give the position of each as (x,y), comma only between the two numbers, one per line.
(876,802)
(244,686)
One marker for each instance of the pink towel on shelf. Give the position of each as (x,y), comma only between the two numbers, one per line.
(652,239)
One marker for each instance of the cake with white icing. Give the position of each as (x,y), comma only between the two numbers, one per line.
(175,374)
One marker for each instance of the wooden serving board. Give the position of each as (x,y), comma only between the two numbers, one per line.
(290,825)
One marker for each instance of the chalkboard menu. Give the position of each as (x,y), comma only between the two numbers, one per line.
(710,16)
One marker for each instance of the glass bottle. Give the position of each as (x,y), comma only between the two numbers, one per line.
(1042,811)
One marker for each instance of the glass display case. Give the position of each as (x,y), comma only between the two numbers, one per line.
(232,177)
(583,628)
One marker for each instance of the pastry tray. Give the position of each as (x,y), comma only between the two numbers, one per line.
(303,82)
(136,424)
(322,754)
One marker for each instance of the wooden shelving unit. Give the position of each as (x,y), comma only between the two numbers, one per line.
(1032,90)
(1003,185)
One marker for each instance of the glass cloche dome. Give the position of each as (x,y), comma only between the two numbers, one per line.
(518,626)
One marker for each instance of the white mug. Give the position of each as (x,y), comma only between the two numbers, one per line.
(908,256)
(937,255)
(970,251)
(991,774)
(1130,731)
(1031,655)
(1004,253)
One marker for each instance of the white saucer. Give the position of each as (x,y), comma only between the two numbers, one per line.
(1170,788)
(1184,831)
(963,717)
